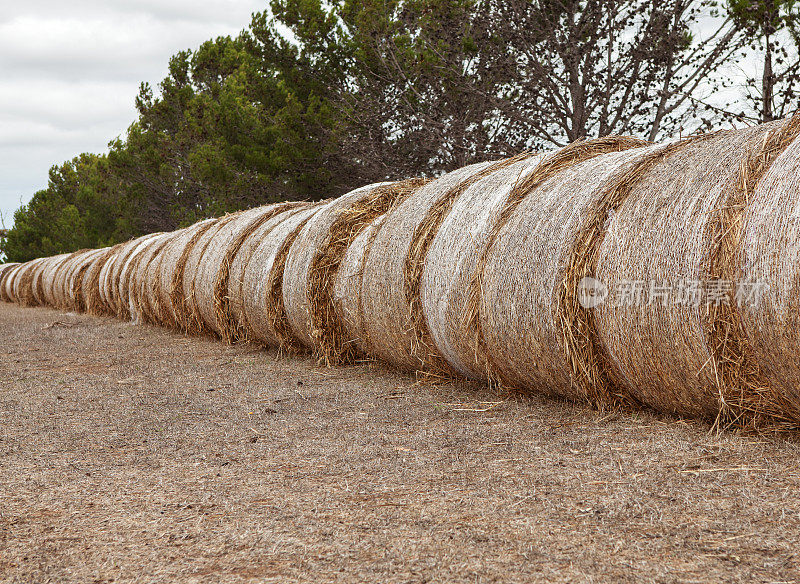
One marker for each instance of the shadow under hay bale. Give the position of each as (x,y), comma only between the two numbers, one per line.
(314,260)
(262,282)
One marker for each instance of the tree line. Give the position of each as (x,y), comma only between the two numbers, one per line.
(317,97)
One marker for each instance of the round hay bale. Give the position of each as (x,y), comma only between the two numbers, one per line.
(394,324)
(346,294)
(453,257)
(63,283)
(171,303)
(24,282)
(193,321)
(5,271)
(665,233)
(213,270)
(264,314)
(136,283)
(9,282)
(756,346)
(90,285)
(512,317)
(110,277)
(314,259)
(237,328)
(129,265)
(78,278)
(149,278)
(48,279)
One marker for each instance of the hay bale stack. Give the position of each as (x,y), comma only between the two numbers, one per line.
(192,321)
(666,230)
(213,271)
(5,272)
(452,259)
(314,260)
(346,294)
(394,324)
(262,308)
(236,327)
(763,335)
(128,262)
(137,284)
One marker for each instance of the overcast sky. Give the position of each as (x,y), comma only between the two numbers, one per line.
(71,70)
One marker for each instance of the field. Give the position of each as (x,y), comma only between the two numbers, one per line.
(134,454)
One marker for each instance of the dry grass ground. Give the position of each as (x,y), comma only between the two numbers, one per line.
(133,454)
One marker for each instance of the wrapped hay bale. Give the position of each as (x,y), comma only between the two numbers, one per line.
(170,300)
(669,224)
(137,284)
(149,277)
(236,328)
(5,272)
(76,294)
(192,321)
(213,271)
(262,309)
(346,294)
(63,282)
(97,283)
(756,346)
(48,279)
(395,327)
(452,259)
(24,282)
(128,262)
(314,259)
(9,283)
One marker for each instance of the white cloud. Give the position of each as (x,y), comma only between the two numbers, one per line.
(71,71)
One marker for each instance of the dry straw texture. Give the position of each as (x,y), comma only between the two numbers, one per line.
(392,326)
(346,294)
(262,282)
(171,299)
(755,339)
(129,264)
(194,322)
(10,281)
(518,337)
(92,289)
(140,292)
(241,276)
(24,281)
(86,270)
(241,232)
(5,272)
(662,235)
(452,260)
(49,280)
(314,260)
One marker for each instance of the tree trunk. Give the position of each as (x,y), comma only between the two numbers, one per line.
(767,82)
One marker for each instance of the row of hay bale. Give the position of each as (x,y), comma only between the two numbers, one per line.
(478,274)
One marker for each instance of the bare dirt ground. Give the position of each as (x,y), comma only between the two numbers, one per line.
(133,454)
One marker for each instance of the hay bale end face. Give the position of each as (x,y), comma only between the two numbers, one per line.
(5,272)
